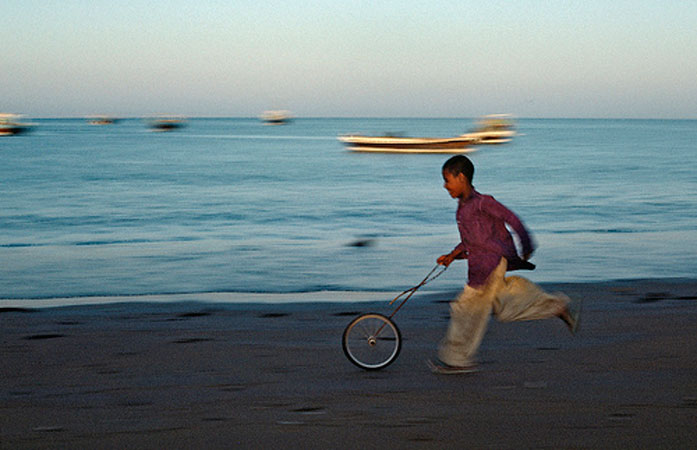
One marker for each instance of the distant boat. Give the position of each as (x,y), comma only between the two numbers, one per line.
(398,144)
(102,120)
(494,129)
(10,125)
(166,123)
(276,117)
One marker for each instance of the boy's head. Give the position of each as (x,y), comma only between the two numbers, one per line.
(457,173)
(460,164)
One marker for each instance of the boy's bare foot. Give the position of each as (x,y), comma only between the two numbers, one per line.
(441,368)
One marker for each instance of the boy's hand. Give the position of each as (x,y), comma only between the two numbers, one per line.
(445,260)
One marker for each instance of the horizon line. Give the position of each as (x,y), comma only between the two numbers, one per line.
(294,117)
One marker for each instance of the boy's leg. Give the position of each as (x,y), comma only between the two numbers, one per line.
(469,315)
(520,299)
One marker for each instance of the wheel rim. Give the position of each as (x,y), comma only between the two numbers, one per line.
(371,341)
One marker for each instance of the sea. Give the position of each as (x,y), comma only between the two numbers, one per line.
(235,210)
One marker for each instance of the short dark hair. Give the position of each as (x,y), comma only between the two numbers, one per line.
(459,164)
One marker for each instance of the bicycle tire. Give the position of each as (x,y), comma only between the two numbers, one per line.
(371,341)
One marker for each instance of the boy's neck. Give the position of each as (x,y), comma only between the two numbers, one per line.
(467,191)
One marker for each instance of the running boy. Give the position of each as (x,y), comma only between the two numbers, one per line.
(490,251)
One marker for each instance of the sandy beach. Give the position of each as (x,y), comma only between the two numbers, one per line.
(199,375)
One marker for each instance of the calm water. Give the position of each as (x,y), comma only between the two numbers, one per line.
(234,206)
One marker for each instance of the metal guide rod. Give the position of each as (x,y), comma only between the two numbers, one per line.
(411,291)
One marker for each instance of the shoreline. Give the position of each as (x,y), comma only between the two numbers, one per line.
(194,374)
(283,298)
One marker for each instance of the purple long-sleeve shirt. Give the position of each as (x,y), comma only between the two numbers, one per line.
(482,221)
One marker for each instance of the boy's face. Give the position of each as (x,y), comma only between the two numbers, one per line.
(458,186)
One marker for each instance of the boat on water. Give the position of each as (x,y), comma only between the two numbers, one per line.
(10,125)
(494,129)
(276,117)
(166,123)
(491,129)
(102,120)
(398,144)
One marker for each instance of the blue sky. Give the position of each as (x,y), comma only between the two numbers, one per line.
(625,59)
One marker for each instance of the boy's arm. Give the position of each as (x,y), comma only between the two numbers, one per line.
(498,210)
(458,252)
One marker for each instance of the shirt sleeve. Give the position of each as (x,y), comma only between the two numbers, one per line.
(460,251)
(497,210)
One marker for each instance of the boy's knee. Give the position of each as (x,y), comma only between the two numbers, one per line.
(468,295)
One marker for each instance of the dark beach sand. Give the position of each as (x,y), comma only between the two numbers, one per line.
(197,375)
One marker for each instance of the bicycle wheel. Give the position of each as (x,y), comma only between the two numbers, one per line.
(371,341)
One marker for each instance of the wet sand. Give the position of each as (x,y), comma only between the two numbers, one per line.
(198,375)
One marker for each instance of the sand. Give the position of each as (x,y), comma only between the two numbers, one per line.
(201,375)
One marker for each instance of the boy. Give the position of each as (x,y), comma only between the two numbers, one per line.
(489,248)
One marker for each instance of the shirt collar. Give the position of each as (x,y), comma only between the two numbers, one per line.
(474,194)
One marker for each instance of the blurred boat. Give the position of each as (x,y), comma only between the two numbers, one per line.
(276,117)
(102,120)
(166,123)
(494,129)
(398,144)
(10,125)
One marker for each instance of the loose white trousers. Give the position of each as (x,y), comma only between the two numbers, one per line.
(511,299)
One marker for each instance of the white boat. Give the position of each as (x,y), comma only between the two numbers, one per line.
(10,125)
(276,117)
(494,129)
(398,144)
